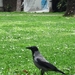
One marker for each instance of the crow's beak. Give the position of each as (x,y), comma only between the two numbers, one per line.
(27,47)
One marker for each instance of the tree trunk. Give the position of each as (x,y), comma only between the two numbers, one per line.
(18,7)
(54,5)
(70,8)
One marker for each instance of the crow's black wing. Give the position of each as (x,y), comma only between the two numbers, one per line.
(46,65)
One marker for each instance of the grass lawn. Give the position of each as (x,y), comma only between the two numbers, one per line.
(52,33)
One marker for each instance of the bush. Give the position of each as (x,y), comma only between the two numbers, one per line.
(62,5)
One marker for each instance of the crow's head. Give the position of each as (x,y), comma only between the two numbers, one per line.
(32,48)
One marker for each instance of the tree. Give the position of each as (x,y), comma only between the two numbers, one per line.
(70,11)
(18,8)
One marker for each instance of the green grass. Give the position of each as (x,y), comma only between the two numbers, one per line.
(51,32)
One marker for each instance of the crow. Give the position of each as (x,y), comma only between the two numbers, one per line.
(41,63)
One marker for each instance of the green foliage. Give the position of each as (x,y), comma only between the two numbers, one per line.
(62,5)
(52,33)
(9,7)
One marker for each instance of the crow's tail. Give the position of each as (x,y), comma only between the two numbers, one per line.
(61,72)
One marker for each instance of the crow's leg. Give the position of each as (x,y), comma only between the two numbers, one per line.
(42,72)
